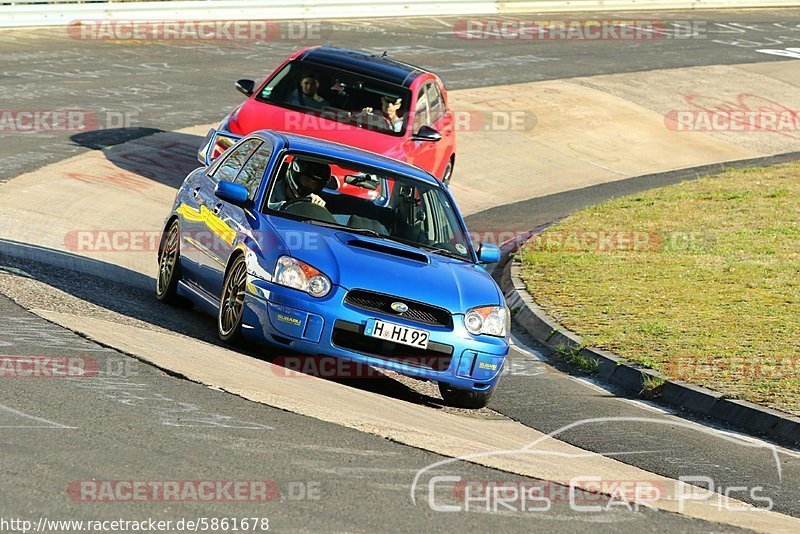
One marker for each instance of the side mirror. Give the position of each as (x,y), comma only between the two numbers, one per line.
(236,194)
(488,253)
(426,133)
(246,87)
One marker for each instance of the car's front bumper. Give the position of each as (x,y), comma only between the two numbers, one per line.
(330,327)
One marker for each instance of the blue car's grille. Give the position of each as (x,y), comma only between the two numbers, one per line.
(351,336)
(417,311)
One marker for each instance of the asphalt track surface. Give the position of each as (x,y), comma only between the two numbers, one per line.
(133,422)
(148,425)
(170,85)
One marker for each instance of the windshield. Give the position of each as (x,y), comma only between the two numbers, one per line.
(395,208)
(340,96)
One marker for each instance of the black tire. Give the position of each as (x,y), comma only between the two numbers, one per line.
(448,172)
(231,302)
(169,265)
(461,398)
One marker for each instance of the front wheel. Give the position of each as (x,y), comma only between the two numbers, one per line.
(448,172)
(461,398)
(231,302)
(169,266)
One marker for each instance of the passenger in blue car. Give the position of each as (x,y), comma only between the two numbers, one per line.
(302,182)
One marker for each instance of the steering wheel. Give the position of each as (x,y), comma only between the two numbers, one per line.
(360,118)
(363,118)
(295,201)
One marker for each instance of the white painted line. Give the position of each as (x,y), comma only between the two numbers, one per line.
(670,420)
(521,347)
(33,418)
(442,22)
(44,427)
(589,384)
(648,406)
(668,412)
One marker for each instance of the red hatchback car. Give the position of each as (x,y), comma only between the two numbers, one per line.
(367,101)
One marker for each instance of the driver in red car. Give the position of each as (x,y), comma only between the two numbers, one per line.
(303,179)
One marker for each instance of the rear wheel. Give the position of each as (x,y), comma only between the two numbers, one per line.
(169,266)
(231,302)
(462,398)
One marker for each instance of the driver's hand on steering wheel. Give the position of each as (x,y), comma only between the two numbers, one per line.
(316,199)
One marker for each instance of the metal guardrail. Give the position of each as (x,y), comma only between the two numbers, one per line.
(48,2)
(20,13)
(45,2)
(542,6)
(502,5)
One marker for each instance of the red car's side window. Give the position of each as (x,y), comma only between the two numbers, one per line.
(435,102)
(421,117)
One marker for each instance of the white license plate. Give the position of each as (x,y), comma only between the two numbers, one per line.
(397,333)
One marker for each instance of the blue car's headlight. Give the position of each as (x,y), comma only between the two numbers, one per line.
(291,272)
(489,320)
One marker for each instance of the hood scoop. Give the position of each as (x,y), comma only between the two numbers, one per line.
(386,249)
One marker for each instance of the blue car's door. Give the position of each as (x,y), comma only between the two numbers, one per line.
(214,232)
(228,221)
(188,211)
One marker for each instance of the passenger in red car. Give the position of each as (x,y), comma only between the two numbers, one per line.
(306,94)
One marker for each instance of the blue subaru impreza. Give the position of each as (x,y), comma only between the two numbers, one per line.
(329,250)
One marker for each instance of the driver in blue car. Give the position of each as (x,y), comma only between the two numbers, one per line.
(304,180)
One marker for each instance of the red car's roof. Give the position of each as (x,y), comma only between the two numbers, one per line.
(374,66)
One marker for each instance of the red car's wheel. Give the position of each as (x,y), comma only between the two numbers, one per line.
(448,172)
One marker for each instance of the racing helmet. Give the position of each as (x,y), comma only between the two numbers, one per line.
(320,173)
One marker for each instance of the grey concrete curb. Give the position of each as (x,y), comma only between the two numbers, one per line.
(79,264)
(750,417)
